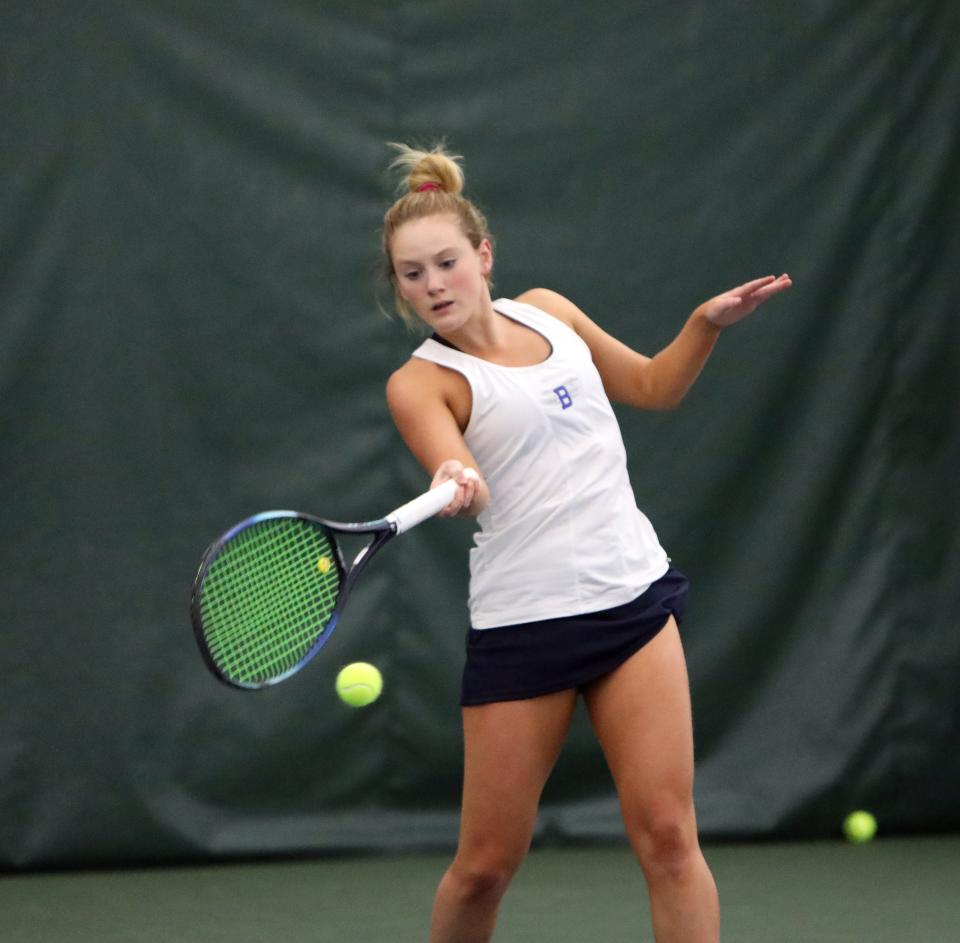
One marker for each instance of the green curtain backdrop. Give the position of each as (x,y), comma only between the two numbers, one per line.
(191,330)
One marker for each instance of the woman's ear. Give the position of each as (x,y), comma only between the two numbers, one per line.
(486,257)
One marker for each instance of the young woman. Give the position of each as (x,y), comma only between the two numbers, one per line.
(570,591)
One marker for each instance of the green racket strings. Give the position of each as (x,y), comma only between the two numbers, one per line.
(267,597)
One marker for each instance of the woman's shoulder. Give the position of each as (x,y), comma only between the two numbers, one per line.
(419,380)
(420,392)
(413,374)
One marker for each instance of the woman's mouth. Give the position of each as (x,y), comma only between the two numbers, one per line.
(441,306)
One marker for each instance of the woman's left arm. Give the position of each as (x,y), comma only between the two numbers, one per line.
(659,382)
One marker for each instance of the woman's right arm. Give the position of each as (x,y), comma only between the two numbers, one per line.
(420,407)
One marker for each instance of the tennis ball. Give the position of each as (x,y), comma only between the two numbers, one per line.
(324,564)
(859,827)
(359,684)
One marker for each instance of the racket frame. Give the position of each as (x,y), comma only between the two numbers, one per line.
(383,530)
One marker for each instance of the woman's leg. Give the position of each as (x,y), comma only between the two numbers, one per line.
(641,714)
(509,749)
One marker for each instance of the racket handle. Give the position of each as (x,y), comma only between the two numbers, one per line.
(419,509)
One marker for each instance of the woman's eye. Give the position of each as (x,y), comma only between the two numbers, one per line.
(410,276)
(447,263)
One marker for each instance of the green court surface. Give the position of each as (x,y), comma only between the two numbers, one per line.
(895,890)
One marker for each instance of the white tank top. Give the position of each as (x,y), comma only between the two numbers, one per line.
(562,534)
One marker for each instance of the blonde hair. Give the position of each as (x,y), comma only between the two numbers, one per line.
(432,184)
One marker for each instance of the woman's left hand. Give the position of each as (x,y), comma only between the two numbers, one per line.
(738,303)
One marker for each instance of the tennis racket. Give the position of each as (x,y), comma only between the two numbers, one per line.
(270,591)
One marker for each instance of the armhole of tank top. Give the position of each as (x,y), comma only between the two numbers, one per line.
(537,323)
(441,362)
(552,329)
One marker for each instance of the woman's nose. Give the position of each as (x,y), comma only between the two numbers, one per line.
(434,281)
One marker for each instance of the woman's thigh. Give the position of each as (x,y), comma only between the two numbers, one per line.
(642,718)
(510,747)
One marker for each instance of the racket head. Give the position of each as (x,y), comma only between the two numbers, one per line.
(267,597)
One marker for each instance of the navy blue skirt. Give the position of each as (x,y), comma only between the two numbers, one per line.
(513,662)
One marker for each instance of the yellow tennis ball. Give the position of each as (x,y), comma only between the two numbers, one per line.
(324,564)
(859,827)
(359,684)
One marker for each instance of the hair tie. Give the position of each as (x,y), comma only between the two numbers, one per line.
(427,186)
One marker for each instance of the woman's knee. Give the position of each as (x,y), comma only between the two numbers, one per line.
(484,876)
(666,843)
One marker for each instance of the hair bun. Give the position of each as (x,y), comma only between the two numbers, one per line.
(428,170)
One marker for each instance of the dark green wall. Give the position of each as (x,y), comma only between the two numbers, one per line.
(190,332)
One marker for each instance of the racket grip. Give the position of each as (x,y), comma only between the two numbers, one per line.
(419,509)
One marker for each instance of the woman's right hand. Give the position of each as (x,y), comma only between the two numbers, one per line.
(468,486)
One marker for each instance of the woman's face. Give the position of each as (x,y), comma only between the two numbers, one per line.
(439,273)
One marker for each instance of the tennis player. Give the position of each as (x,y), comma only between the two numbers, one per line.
(570,591)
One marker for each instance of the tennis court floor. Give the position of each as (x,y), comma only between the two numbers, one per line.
(894,890)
